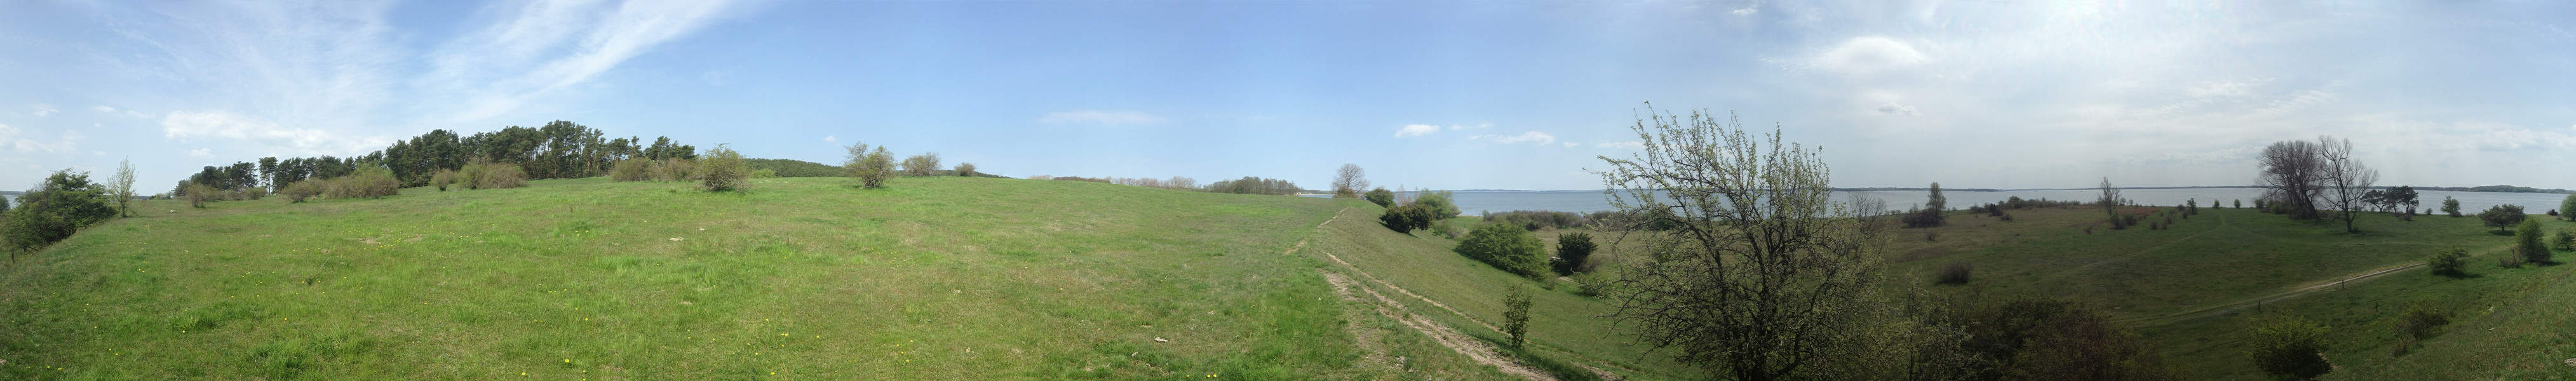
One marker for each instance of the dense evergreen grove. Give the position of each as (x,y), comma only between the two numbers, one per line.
(560,149)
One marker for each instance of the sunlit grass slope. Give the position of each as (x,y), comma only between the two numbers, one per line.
(2182,288)
(807,278)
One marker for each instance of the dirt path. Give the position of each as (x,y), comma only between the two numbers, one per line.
(1471,347)
(2216,310)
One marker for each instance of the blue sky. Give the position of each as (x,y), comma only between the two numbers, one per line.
(1516,95)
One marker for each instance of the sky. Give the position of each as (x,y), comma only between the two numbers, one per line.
(1449,95)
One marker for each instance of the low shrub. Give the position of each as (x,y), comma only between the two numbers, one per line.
(633,169)
(965,169)
(444,178)
(1516,305)
(2564,240)
(62,204)
(1573,253)
(675,169)
(1953,273)
(493,176)
(871,167)
(1406,219)
(1380,196)
(925,164)
(2290,348)
(2421,321)
(1922,218)
(2527,242)
(722,169)
(199,194)
(366,182)
(1535,219)
(1441,204)
(302,190)
(2452,263)
(2048,339)
(1506,247)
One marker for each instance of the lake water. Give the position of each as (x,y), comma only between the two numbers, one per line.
(1477,202)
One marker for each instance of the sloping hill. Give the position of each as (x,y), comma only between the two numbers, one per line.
(807,278)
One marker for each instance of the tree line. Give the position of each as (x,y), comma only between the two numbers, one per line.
(559,149)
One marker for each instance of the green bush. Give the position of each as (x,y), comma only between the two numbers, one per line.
(485,175)
(2564,240)
(199,194)
(2421,321)
(925,164)
(965,169)
(634,169)
(1381,197)
(1506,247)
(2290,348)
(722,169)
(1953,273)
(1573,250)
(1439,203)
(675,169)
(2044,339)
(2526,242)
(366,182)
(302,190)
(1397,219)
(61,205)
(1516,305)
(871,167)
(443,178)
(2452,263)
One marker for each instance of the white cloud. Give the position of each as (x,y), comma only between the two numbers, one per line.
(12,139)
(1412,130)
(1869,55)
(1572,144)
(1620,145)
(535,48)
(1105,117)
(44,110)
(102,108)
(221,124)
(831,139)
(1892,108)
(201,152)
(1747,10)
(1541,138)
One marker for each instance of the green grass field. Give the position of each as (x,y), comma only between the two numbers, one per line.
(975,278)
(931,278)
(2190,289)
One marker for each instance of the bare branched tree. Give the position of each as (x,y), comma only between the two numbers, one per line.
(1348,182)
(1762,276)
(2346,180)
(2295,174)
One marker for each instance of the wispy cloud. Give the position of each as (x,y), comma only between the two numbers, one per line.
(343,67)
(15,140)
(1412,130)
(831,139)
(1105,117)
(1541,138)
(43,110)
(201,153)
(218,124)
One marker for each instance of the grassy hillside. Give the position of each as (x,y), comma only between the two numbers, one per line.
(810,278)
(2191,289)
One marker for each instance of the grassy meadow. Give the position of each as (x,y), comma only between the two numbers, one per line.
(801,278)
(978,278)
